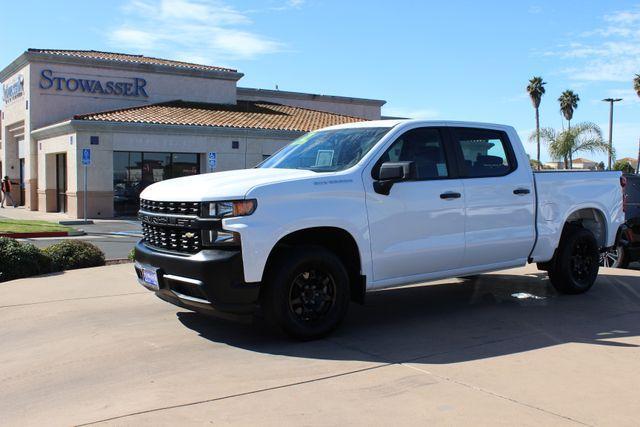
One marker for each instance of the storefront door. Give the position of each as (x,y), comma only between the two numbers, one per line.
(61,182)
(21,183)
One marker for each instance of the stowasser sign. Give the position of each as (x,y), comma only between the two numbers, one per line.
(13,90)
(133,87)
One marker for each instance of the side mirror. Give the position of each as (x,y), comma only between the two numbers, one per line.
(390,173)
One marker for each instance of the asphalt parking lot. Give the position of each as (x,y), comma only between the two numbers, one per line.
(92,346)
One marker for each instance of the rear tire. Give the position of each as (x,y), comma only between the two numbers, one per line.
(575,266)
(306,293)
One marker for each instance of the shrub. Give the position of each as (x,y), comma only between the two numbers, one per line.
(19,260)
(72,254)
(132,254)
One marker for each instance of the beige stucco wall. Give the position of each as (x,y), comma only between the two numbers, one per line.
(17,113)
(345,107)
(51,106)
(46,181)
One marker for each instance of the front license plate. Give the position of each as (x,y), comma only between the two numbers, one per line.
(150,277)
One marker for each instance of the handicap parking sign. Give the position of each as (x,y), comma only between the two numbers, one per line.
(86,156)
(213,160)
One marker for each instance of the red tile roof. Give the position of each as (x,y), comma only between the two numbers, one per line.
(244,114)
(124,57)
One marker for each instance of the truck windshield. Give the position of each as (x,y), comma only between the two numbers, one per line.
(327,150)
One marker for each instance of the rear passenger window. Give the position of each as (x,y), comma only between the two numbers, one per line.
(424,147)
(485,152)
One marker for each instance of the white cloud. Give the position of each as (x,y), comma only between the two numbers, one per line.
(419,113)
(210,31)
(534,9)
(608,53)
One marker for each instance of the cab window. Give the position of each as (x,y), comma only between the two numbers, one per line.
(424,147)
(485,152)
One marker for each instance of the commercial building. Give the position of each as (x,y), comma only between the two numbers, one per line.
(144,119)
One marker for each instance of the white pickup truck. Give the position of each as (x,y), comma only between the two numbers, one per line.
(379,204)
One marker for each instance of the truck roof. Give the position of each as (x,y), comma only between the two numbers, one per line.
(389,123)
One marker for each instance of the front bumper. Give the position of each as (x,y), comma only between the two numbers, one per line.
(211,281)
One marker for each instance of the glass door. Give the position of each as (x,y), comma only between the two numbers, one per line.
(21,183)
(61,182)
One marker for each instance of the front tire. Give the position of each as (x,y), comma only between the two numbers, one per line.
(307,292)
(575,266)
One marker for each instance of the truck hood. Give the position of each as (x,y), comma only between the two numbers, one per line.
(219,185)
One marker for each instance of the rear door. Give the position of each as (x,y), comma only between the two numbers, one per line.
(499,198)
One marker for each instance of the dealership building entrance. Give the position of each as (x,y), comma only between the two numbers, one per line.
(144,120)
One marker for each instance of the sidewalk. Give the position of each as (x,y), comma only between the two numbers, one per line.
(22,213)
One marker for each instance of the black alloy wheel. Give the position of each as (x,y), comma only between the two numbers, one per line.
(312,295)
(306,292)
(582,260)
(574,268)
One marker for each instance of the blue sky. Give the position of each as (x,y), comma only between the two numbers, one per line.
(463,60)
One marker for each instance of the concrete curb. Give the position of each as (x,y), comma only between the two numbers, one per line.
(118,261)
(72,233)
(35,235)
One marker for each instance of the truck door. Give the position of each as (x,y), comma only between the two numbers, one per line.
(418,228)
(499,198)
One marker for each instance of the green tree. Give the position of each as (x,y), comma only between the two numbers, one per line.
(636,84)
(564,144)
(568,103)
(534,164)
(624,166)
(535,89)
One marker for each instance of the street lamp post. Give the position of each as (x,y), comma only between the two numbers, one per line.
(611,101)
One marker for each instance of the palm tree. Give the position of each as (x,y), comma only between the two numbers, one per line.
(566,143)
(624,166)
(535,88)
(568,103)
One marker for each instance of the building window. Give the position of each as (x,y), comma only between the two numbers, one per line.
(133,171)
(235,144)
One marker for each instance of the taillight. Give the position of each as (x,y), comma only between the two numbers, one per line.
(623,181)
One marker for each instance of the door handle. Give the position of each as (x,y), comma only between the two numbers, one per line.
(521,191)
(450,195)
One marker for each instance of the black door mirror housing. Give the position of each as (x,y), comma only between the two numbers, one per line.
(392,172)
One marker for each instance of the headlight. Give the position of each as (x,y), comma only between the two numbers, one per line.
(232,208)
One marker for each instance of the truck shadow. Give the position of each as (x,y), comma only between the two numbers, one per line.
(456,321)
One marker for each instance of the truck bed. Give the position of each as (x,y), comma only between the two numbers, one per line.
(562,193)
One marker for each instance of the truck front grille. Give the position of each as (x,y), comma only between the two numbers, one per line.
(172,238)
(174,208)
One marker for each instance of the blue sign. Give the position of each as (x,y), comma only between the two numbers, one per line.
(134,87)
(213,160)
(86,156)
(13,90)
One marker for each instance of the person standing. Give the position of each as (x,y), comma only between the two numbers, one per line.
(6,192)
